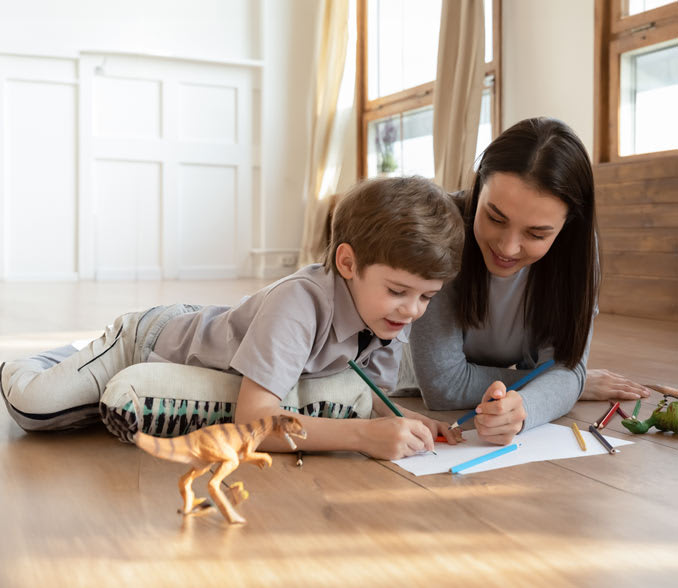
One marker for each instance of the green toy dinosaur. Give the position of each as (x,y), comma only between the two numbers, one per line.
(664,421)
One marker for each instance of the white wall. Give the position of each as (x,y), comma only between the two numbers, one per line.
(274,38)
(548,62)
(288,38)
(206,29)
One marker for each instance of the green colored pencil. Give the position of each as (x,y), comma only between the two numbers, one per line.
(376,390)
(636,410)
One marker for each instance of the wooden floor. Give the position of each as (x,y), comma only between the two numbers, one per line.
(83,509)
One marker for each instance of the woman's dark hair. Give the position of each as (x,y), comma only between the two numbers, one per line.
(562,286)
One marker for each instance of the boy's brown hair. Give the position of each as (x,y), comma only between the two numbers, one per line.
(406,223)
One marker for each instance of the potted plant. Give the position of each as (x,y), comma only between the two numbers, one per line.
(385,137)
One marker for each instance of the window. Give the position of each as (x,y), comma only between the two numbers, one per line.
(632,7)
(398,54)
(637,78)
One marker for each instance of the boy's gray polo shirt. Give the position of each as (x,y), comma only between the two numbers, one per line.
(302,326)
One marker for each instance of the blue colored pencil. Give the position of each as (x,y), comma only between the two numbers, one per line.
(491,455)
(519,384)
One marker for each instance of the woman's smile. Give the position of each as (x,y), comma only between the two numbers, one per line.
(503,261)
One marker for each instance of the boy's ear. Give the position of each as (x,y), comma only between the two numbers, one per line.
(345,260)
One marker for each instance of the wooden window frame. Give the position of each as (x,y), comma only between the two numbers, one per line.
(616,34)
(417,96)
(493,68)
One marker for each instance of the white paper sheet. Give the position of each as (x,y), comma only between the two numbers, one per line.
(539,444)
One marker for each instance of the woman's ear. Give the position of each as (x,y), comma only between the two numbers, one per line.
(345,260)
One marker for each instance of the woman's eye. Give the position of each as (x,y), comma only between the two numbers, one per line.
(537,237)
(494,220)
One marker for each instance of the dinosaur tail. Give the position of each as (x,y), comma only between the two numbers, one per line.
(170,448)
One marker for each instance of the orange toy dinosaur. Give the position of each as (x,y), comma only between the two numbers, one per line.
(227,445)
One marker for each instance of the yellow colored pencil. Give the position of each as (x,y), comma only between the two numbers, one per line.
(577,434)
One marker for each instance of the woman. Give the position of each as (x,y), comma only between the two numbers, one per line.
(526,292)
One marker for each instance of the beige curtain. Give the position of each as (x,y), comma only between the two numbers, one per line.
(326,135)
(458,91)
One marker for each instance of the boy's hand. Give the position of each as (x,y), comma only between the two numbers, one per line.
(437,428)
(396,437)
(499,421)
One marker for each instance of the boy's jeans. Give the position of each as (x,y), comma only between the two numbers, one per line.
(60,389)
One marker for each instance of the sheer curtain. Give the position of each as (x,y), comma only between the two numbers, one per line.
(332,107)
(458,91)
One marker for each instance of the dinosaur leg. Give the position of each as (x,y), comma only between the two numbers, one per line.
(186,488)
(261,459)
(222,502)
(237,493)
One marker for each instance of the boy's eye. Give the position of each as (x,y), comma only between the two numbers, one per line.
(395,293)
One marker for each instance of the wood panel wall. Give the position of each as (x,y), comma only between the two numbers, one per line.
(638,221)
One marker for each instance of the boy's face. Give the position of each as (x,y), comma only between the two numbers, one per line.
(387,299)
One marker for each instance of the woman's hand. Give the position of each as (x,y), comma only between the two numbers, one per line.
(499,421)
(605,385)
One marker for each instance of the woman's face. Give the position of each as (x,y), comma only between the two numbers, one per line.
(515,224)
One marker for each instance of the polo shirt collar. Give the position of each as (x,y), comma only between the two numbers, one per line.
(346,320)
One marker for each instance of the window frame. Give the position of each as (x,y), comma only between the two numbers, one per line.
(417,96)
(616,34)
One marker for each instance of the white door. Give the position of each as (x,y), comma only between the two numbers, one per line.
(166,167)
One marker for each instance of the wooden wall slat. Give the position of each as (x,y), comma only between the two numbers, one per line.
(663,190)
(638,296)
(650,239)
(655,168)
(638,215)
(647,264)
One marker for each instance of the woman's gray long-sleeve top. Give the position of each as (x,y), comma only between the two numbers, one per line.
(453,369)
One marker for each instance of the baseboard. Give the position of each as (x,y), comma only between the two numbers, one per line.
(271,264)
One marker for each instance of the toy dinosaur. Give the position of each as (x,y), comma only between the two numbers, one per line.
(664,421)
(225,444)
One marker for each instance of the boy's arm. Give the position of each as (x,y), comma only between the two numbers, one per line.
(384,438)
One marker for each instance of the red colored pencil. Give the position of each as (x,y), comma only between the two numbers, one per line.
(608,416)
(600,420)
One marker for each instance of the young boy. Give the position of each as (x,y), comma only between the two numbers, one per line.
(394,243)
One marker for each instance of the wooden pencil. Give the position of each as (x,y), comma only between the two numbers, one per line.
(577,434)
